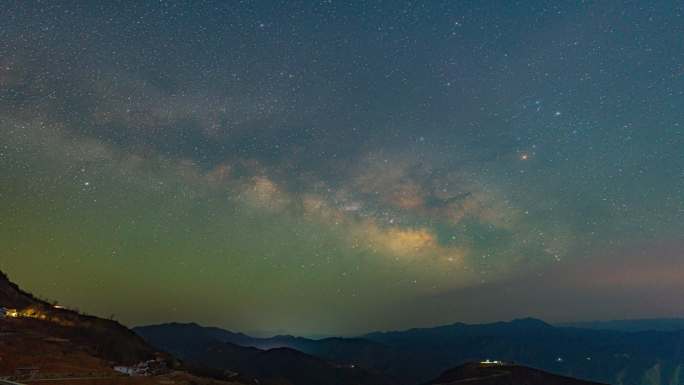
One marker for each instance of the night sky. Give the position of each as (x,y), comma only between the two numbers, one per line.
(337,167)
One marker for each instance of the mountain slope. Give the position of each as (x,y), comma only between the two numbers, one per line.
(103,338)
(66,347)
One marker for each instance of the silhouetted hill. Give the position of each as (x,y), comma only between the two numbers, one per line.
(506,374)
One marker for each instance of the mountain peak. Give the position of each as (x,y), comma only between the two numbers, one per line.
(529,322)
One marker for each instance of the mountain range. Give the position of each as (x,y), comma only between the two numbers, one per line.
(62,342)
(418,355)
(41,341)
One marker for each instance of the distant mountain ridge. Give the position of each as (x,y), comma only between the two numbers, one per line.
(631,325)
(417,355)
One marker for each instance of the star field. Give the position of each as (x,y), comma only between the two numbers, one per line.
(332,167)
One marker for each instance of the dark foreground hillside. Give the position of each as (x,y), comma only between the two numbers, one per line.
(99,337)
(41,343)
(504,374)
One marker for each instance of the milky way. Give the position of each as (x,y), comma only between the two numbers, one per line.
(337,167)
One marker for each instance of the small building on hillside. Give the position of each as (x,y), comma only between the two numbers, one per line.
(146,368)
(489,362)
(130,371)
